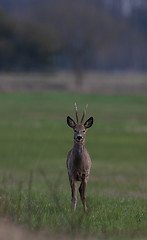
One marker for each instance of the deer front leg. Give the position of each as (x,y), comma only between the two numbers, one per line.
(82,190)
(74,194)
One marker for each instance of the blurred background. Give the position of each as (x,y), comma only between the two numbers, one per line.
(64,44)
(54,53)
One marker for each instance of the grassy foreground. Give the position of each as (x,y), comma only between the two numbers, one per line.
(34,141)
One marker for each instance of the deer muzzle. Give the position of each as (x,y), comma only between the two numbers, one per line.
(79,138)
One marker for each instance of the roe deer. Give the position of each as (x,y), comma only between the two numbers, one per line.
(78,159)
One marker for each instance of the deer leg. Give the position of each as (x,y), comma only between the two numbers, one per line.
(74,194)
(82,190)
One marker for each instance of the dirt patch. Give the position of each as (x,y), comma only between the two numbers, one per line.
(11,231)
(14,232)
(93,82)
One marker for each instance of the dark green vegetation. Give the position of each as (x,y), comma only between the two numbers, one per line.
(95,35)
(24,46)
(34,141)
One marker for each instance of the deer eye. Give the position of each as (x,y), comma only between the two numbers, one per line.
(75,130)
(83,131)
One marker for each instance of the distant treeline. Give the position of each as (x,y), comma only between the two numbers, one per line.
(24,45)
(72,35)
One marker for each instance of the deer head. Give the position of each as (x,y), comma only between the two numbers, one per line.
(79,128)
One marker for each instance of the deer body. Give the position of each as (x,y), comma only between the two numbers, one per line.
(78,163)
(78,160)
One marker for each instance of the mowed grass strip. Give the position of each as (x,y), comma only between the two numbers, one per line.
(34,137)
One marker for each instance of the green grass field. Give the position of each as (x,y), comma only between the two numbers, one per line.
(34,141)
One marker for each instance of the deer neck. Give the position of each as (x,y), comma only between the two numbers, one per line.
(79,146)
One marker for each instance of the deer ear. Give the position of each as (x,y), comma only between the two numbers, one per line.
(89,122)
(71,123)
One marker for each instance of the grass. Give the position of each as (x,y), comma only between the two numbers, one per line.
(34,141)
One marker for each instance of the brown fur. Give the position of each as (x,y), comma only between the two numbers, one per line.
(78,161)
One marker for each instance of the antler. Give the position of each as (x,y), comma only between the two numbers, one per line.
(84,113)
(76,113)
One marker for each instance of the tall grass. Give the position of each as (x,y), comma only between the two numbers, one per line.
(107,217)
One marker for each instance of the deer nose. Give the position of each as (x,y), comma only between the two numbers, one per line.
(79,137)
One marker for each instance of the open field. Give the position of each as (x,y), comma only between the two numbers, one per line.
(34,188)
